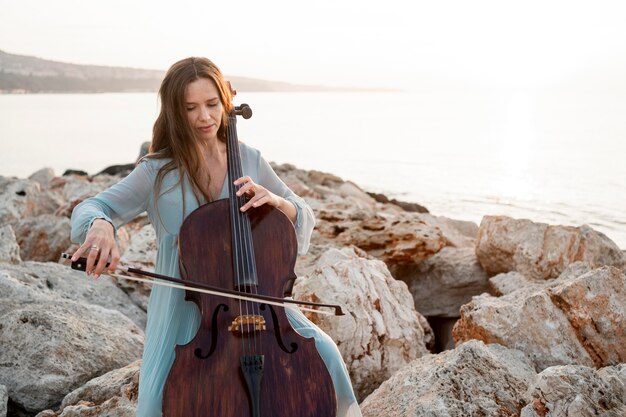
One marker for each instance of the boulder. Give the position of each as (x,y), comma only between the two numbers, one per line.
(570,320)
(474,379)
(17,199)
(112,394)
(28,281)
(381,331)
(50,347)
(139,253)
(572,390)
(441,284)
(43,238)
(9,249)
(507,282)
(43,176)
(539,250)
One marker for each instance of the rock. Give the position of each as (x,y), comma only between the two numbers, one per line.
(48,281)
(538,250)
(570,320)
(381,331)
(117,170)
(9,249)
(458,233)
(112,394)
(594,305)
(140,253)
(144,149)
(571,390)
(414,207)
(76,172)
(16,199)
(52,347)
(43,238)
(508,282)
(472,380)
(73,188)
(46,202)
(403,239)
(44,176)
(4,399)
(441,284)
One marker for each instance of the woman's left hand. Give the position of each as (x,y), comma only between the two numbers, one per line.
(257,194)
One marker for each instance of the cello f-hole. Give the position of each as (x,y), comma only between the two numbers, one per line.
(279,337)
(198,351)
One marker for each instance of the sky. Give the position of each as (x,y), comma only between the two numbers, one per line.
(407,45)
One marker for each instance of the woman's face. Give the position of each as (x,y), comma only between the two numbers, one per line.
(204,108)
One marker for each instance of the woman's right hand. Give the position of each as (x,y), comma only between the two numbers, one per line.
(99,244)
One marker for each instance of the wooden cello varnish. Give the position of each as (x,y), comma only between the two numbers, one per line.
(246,360)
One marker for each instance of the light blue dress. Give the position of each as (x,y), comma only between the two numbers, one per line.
(171,319)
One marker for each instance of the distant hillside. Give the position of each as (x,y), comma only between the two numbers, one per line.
(27,74)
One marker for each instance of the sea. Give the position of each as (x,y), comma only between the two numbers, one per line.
(553,158)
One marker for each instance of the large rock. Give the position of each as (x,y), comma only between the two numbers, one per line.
(441,284)
(17,199)
(472,380)
(23,283)
(381,331)
(9,249)
(563,391)
(43,238)
(43,176)
(139,253)
(112,394)
(394,238)
(570,320)
(538,250)
(52,347)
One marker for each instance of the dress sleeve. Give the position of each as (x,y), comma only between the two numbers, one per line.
(305,219)
(117,204)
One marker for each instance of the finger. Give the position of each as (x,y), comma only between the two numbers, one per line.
(242,180)
(91,260)
(115,258)
(102,262)
(260,201)
(248,188)
(86,245)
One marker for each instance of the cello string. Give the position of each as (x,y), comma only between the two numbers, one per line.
(234,215)
(240,235)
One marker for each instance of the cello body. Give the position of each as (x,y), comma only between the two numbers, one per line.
(246,359)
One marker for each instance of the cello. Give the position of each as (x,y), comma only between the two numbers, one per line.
(245,360)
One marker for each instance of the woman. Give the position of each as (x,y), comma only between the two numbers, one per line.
(185,169)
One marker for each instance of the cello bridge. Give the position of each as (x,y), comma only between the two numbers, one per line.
(251,323)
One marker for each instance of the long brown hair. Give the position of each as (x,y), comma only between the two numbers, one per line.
(172,135)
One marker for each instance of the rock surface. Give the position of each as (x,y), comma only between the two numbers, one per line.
(381,331)
(564,391)
(472,380)
(4,398)
(538,250)
(112,394)
(25,282)
(53,336)
(9,249)
(52,347)
(43,238)
(584,313)
(441,284)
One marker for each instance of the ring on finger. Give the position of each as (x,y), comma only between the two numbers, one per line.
(95,247)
